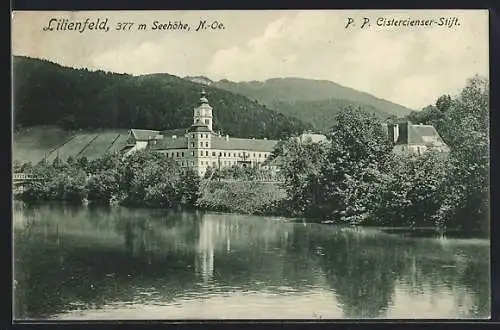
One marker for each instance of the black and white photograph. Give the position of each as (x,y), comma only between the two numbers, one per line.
(250,165)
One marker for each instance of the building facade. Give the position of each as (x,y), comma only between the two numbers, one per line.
(411,139)
(199,147)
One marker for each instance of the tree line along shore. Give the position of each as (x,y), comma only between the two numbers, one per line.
(354,178)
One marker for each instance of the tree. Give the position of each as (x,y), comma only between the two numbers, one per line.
(467,199)
(358,150)
(301,170)
(429,115)
(190,191)
(338,180)
(102,187)
(150,179)
(413,191)
(443,103)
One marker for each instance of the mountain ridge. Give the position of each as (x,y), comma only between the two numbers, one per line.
(48,93)
(314,101)
(221,82)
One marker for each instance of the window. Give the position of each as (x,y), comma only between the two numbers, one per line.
(192,144)
(260,155)
(201,153)
(192,152)
(201,136)
(206,153)
(206,145)
(177,154)
(253,155)
(224,154)
(182,154)
(220,154)
(207,121)
(213,153)
(194,135)
(201,144)
(206,136)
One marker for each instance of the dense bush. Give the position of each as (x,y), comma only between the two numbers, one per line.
(243,197)
(142,179)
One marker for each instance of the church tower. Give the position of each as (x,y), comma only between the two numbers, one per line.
(199,136)
(203,112)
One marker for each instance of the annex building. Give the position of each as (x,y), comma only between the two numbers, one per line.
(412,139)
(199,147)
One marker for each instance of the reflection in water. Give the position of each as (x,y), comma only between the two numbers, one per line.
(205,250)
(117,263)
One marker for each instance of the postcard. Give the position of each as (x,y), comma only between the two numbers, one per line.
(251,165)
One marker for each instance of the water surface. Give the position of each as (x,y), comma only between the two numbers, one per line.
(115,263)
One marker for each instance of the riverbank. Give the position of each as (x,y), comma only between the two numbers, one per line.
(267,199)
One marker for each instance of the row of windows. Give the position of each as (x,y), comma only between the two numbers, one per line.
(234,154)
(175,154)
(214,164)
(201,136)
(201,144)
(207,163)
(221,154)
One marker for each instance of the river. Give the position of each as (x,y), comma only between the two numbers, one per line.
(93,263)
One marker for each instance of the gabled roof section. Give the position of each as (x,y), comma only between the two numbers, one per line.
(143,134)
(169,142)
(419,134)
(170,132)
(224,143)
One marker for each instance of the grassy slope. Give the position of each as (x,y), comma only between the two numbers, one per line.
(34,143)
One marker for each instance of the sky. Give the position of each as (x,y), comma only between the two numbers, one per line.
(411,66)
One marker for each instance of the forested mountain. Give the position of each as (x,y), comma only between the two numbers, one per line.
(312,101)
(49,94)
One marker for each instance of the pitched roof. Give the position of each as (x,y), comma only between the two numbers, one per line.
(221,142)
(419,134)
(144,134)
(169,142)
(177,131)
